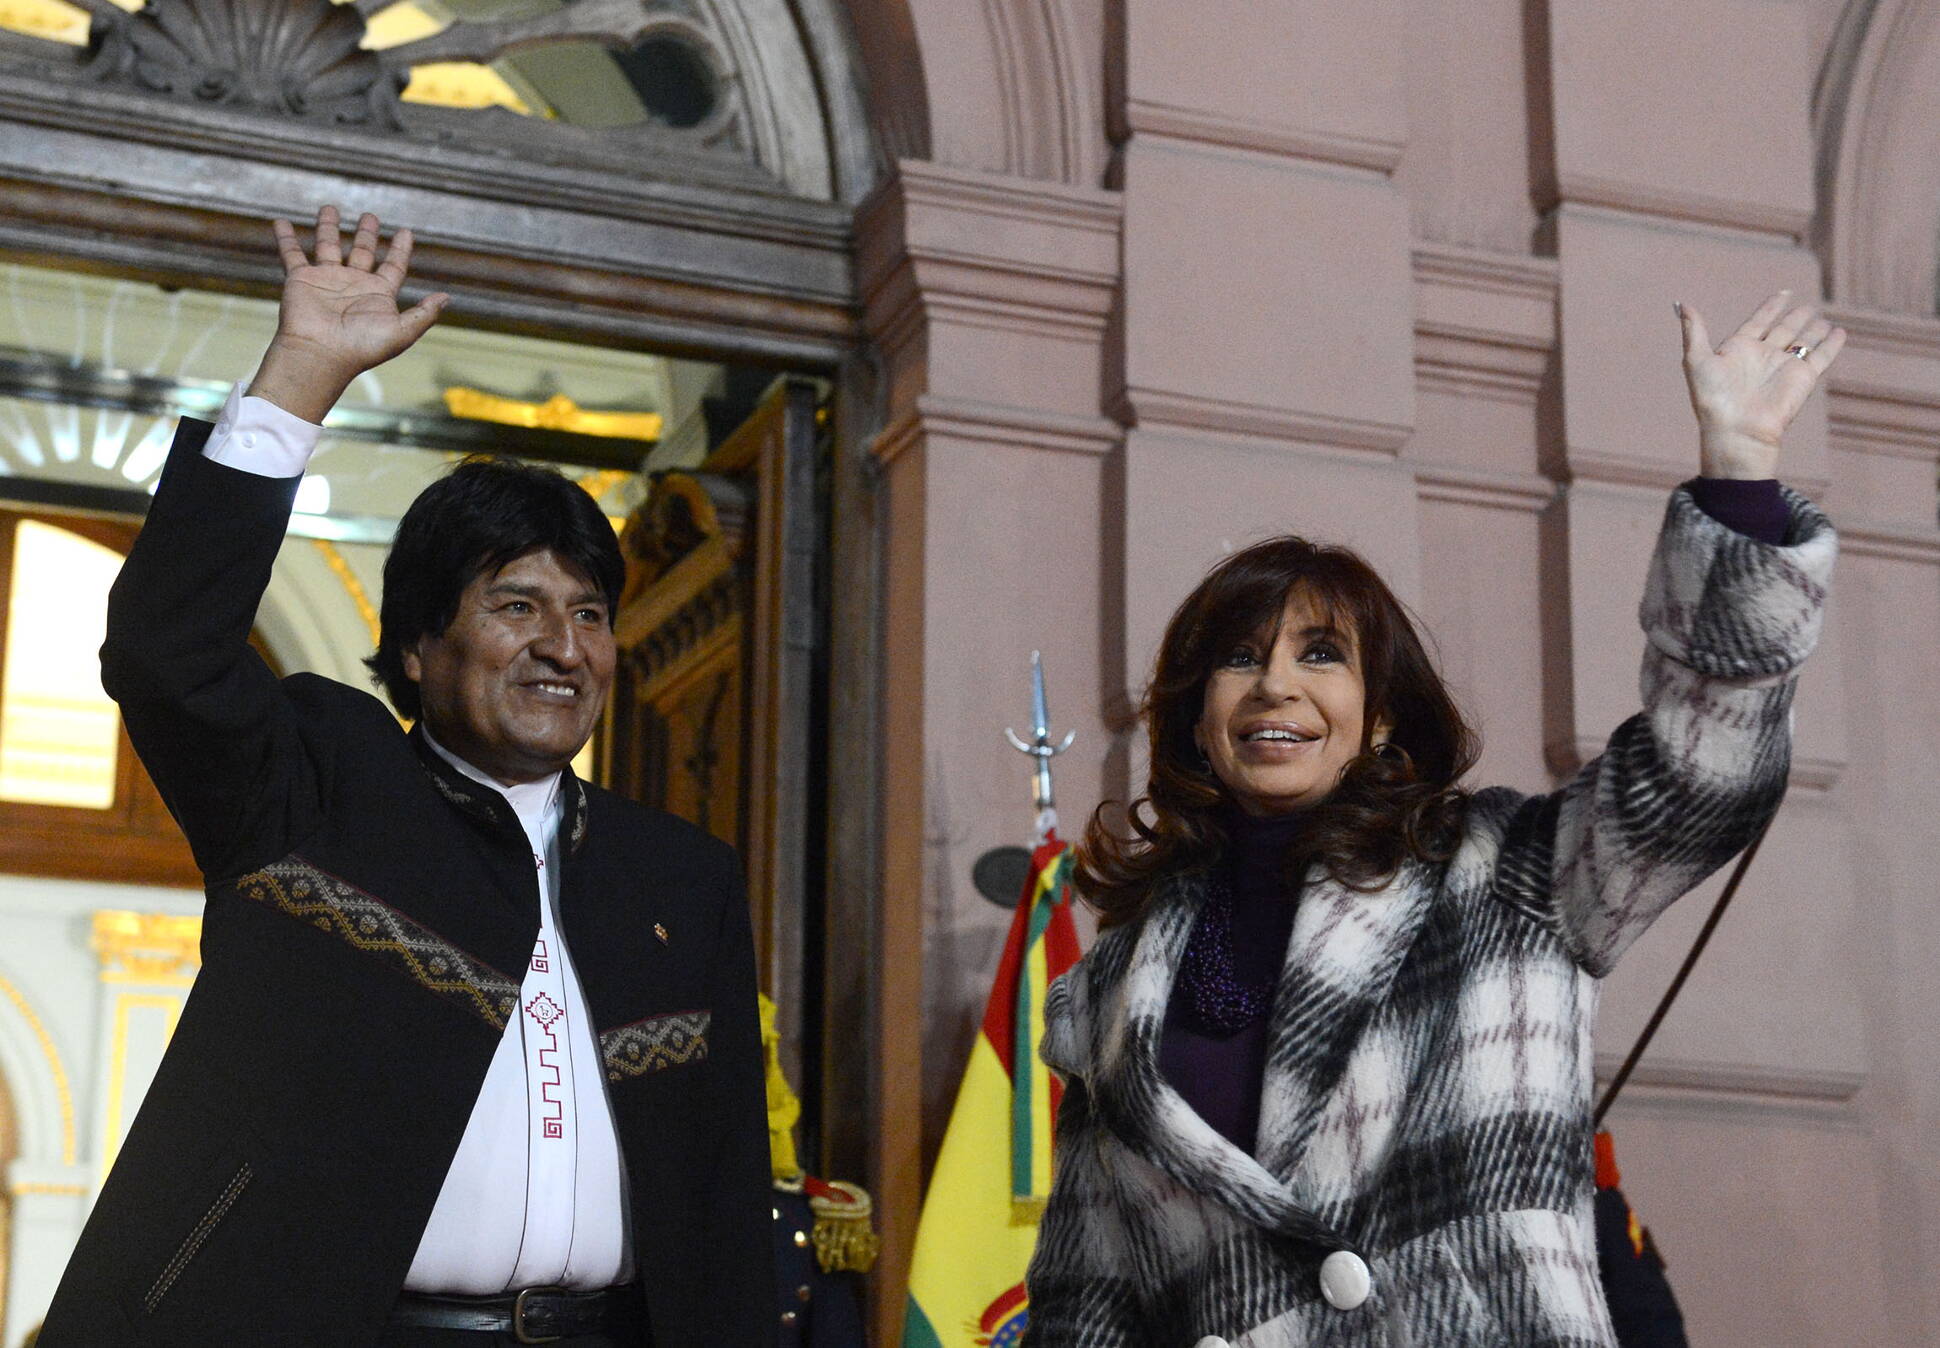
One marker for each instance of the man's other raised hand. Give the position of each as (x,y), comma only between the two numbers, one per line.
(339,315)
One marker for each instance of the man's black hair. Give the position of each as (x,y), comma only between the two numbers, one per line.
(481,515)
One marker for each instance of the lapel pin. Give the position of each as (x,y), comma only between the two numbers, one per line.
(661,932)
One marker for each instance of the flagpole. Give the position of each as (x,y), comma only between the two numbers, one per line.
(994,1169)
(1042,750)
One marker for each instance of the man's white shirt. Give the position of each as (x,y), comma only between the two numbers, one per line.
(535,1193)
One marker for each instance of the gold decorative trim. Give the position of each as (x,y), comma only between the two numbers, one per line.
(37,1188)
(366,923)
(62,1093)
(154,949)
(125,1004)
(845,1236)
(557,413)
(655,1044)
(340,568)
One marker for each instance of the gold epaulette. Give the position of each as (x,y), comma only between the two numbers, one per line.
(845,1238)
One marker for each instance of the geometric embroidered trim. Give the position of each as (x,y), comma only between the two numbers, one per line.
(294,887)
(217,1211)
(654,1044)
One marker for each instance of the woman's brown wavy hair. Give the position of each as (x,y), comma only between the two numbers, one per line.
(1391,806)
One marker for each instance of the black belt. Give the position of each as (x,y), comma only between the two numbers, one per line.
(534,1315)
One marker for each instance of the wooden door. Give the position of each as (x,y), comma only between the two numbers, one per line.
(718,706)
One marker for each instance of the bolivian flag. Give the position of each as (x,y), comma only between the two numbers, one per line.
(966,1282)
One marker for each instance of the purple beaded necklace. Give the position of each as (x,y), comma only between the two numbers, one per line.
(1208,977)
(1216,996)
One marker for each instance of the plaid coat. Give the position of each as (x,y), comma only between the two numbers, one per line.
(1428,1077)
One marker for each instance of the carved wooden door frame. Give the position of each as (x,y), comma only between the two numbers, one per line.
(725,607)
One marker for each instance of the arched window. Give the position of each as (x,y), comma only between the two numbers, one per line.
(74,800)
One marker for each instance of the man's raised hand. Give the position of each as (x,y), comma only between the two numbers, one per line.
(339,315)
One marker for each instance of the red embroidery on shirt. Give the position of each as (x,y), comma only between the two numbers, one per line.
(548,1013)
(540,959)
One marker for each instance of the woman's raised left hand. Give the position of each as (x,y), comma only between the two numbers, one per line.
(1747,390)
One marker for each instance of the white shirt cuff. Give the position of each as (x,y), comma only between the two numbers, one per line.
(257,436)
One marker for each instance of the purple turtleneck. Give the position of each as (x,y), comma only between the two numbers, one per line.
(1220,1070)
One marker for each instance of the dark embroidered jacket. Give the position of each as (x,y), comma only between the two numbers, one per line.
(1427,1090)
(370,913)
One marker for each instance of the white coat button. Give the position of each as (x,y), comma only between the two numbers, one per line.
(249,439)
(1212,1341)
(1344,1280)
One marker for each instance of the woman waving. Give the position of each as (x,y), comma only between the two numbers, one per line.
(1328,1067)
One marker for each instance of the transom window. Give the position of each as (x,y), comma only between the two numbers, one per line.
(59,732)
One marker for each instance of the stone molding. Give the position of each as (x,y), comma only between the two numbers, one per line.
(1147,117)
(721,201)
(1883,401)
(661,275)
(1530,493)
(1877,101)
(1889,542)
(1735,1079)
(1621,470)
(1019,259)
(1884,395)
(1052,264)
(995,424)
(1593,190)
(293,65)
(1022,94)
(1052,99)
(1880,418)
(1155,408)
(1485,323)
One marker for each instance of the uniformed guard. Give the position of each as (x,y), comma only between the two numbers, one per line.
(823,1234)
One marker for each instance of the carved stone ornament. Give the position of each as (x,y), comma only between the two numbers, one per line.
(300,58)
(304,58)
(717,92)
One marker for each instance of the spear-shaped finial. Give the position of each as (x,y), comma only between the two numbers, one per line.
(1041,748)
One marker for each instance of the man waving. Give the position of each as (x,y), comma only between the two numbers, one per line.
(473,1057)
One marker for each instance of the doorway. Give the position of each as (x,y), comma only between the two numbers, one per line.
(714,474)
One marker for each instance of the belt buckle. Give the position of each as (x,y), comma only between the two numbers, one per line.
(519,1333)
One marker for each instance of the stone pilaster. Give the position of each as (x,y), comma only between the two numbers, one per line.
(988,300)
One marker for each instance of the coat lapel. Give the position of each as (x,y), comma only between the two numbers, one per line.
(1143,1109)
(1341,960)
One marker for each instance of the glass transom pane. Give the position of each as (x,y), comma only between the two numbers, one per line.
(58,729)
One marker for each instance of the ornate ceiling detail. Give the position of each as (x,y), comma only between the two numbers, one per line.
(683,84)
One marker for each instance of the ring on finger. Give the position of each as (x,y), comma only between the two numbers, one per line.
(1799,349)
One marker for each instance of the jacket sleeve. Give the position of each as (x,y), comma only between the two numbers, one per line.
(741,1257)
(207,717)
(1079,1281)
(1692,779)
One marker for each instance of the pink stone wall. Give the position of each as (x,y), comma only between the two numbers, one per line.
(1168,279)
